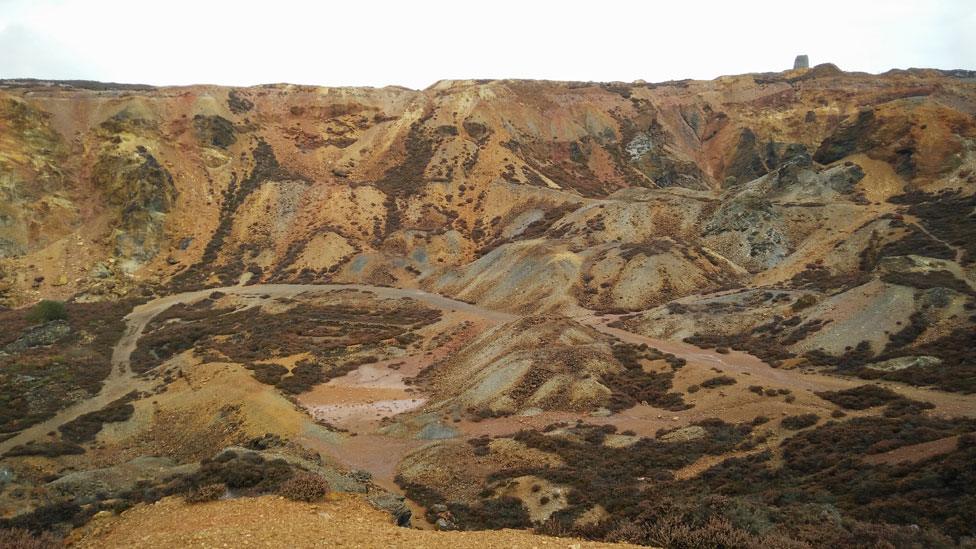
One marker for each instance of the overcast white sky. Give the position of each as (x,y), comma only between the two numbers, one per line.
(415,43)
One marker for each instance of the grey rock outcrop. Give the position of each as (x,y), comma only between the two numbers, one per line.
(901,363)
(45,334)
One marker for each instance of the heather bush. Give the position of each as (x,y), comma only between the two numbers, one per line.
(208,492)
(19,538)
(718,381)
(802,421)
(85,427)
(304,486)
(46,449)
(39,381)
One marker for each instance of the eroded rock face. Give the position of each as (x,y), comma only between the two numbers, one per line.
(142,192)
(896,133)
(33,206)
(45,334)
(450,188)
(901,363)
(214,130)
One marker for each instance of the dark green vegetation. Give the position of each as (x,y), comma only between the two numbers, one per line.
(331,332)
(870,396)
(770,340)
(406,177)
(19,538)
(928,281)
(802,421)
(237,103)
(46,449)
(823,494)
(214,130)
(52,365)
(949,216)
(918,243)
(957,373)
(84,427)
(264,168)
(47,310)
(635,385)
(243,473)
(597,474)
(718,381)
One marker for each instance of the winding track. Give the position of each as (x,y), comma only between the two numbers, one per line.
(123,380)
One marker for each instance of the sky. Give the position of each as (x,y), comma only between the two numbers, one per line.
(415,43)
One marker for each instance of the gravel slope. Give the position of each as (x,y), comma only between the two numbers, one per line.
(343,520)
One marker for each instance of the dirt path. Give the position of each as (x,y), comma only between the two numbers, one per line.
(122,380)
(915,452)
(959,251)
(953,404)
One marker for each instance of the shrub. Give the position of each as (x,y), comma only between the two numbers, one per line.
(47,517)
(19,538)
(37,382)
(84,427)
(47,310)
(805,301)
(860,398)
(269,374)
(802,421)
(634,385)
(870,396)
(246,473)
(208,492)
(304,486)
(46,449)
(718,381)
(492,514)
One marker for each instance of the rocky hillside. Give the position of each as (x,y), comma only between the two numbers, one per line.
(521,195)
(672,314)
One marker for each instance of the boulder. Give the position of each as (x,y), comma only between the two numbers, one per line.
(691,432)
(394,504)
(904,362)
(45,334)
(445,525)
